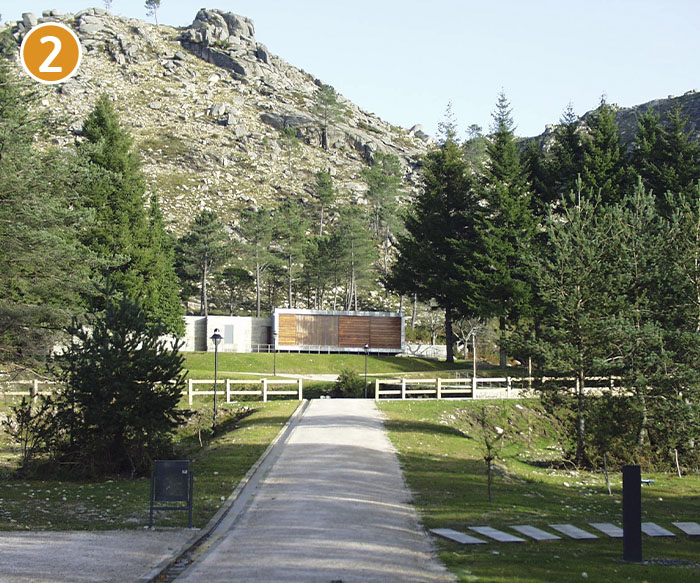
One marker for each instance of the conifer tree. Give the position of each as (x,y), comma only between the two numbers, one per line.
(44,268)
(255,236)
(199,253)
(438,256)
(325,193)
(124,237)
(328,109)
(352,236)
(510,226)
(604,162)
(290,227)
(665,156)
(122,385)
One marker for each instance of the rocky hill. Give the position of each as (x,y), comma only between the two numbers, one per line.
(626,117)
(208,106)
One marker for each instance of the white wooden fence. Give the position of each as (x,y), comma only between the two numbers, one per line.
(34,388)
(264,391)
(479,387)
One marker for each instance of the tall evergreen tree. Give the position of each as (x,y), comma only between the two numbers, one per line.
(256,232)
(579,282)
(44,268)
(328,109)
(665,156)
(161,296)
(358,252)
(199,253)
(437,256)
(325,193)
(290,227)
(605,167)
(124,236)
(510,225)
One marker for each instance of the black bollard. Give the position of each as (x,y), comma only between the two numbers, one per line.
(632,513)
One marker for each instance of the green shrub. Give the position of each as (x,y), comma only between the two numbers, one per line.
(349,385)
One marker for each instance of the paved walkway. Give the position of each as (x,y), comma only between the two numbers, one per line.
(332,508)
(84,557)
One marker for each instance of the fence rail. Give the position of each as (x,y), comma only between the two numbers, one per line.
(479,387)
(33,389)
(264,391)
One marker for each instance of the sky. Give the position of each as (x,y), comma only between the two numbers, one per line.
(405,60)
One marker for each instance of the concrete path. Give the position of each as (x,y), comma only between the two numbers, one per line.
(84,557)
(332,508)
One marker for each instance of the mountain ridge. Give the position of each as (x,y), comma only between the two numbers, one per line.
(208,106)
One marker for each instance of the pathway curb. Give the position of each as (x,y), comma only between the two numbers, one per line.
(200,537)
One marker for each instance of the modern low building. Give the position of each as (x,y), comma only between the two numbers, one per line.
(290,330)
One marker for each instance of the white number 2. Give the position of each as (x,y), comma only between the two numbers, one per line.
(46,67)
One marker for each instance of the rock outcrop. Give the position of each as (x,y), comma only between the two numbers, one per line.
(210,109)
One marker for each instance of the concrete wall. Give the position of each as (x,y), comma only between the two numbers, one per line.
(240,334)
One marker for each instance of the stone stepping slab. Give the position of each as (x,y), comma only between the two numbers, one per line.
(608,528)
(497,535)
(652,529)
(458,537)
(574,532)
(689,528)
(535,533)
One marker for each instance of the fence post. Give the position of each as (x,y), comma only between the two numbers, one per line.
(264,384)
(228,390)
(33,393)
(189,391)
(376,389)
(301,394)
(403,388)
(439,388)
(509,386)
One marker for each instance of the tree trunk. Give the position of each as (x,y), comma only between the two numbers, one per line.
(503,357)
(203,307)
(580,419)
(449,334)
(289,278)
(257,289)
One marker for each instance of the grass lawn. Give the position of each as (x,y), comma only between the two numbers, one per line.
(441,452)
(201,364)
(218,465)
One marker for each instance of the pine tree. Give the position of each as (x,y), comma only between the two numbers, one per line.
(581,283)
(152,7)
(510,226)
(665,156)
(325,193)
(161,297)
(44,268)
(358,252)
(604,162)
(122,386)
(438,255)
(290,227)
(328,109)
(125,237)
(255,233)
(200,252)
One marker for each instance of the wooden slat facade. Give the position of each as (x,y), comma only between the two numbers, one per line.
(353,331)
(385,333)
(340,331)
(287,330)
(314,330)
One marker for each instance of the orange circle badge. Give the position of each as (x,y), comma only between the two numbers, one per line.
(51,53)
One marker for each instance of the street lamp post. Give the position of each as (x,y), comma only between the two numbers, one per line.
(274,353)
(216,338)
(366,355)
